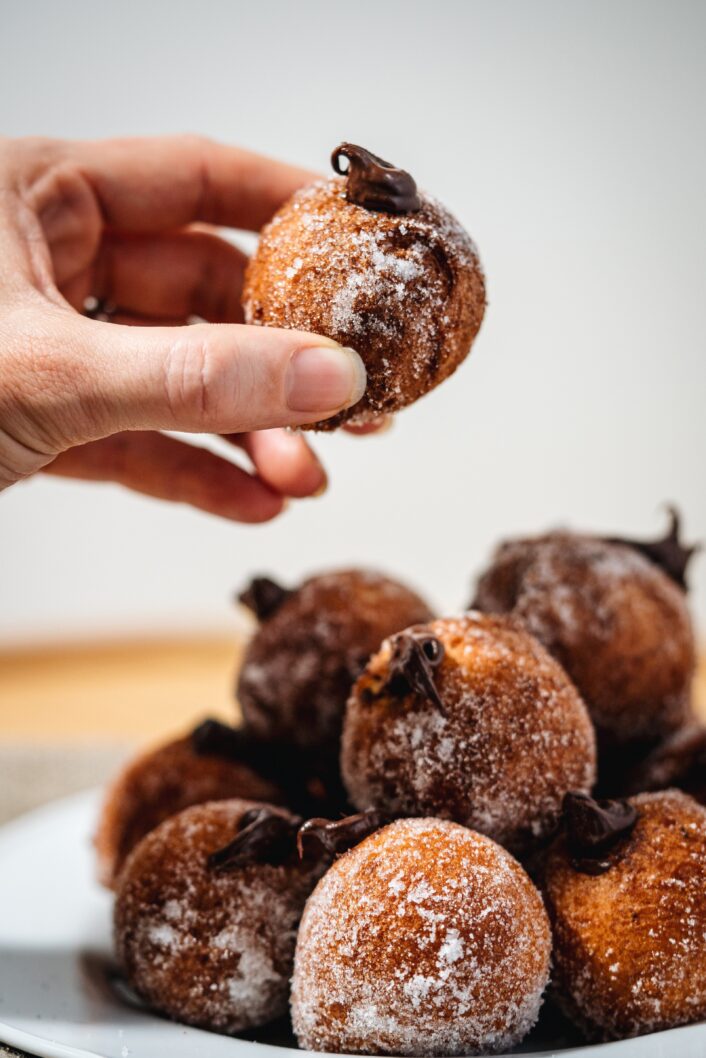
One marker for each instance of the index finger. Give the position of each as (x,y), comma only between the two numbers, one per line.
(152,184)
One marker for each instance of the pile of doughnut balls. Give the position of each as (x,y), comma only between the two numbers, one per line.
(423,827)
(403,827)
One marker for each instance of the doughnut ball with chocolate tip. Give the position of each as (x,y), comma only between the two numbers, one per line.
(468,719)
(614,614)
(625,888)
(160,783)
(425,939)
(206,914)
(368,260)
(311,645)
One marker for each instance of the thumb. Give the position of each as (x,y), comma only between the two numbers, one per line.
(212,378)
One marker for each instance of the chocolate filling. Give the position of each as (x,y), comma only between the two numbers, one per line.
(594,829)
(669,553)
(375,184)
(264,836)
(264,596)
(321,839)
(415,655)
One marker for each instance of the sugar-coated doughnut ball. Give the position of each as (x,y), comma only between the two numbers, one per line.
(394,276)
(616,621)
(205,928)
(426,939)
(628,911)
(678,761)
(469,719)
(160,783)
(310,646)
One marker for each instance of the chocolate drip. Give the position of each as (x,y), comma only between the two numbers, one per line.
(594,829)
(264,596)
(264,836)
(668,553)
(322,839)
(375,184)
(415,655)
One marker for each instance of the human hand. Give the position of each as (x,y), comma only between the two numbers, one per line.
(119,221)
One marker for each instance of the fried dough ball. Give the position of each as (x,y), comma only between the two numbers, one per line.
(311,645)
(206,914)
(426,939)
(625,888)
(616,620)
(468,719)
(368,261)
(160,783)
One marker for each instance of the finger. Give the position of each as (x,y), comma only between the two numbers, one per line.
(376,426)
(172,275)
(284,460)
(206,378)
(146,185)
(168,469)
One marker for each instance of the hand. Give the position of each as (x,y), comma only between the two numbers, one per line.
(117,221)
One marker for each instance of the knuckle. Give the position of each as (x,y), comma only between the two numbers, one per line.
(202,384)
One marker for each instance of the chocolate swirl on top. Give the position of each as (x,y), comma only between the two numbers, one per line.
(264,836)
(594,829)
(322,839)
(263,597)
(375,184)
(415,655)
(669,553)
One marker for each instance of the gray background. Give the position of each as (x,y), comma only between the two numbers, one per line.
(567,136)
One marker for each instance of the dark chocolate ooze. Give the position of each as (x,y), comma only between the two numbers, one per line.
(415,655)
(595,829)
(263,597)
(374,183)
(310,781)
(322,839)
(213,739)
(669,553)
(264,836)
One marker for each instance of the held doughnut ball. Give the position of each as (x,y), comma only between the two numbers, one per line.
(311,645)
(426,939)
(469,719)
(614,614)
(160,783)
(625,888)
(366,259)
(206,914)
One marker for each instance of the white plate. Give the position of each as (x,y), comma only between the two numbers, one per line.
(56,999)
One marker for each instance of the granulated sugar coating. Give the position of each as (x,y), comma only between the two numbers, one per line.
(616,622)
(157,785)
(630,944)
(426,939)
(508,738)
(406,291)
(300,665)
(206,947)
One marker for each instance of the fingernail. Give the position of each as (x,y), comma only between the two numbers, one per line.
(324,378)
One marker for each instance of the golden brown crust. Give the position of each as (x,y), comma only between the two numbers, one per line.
(301,663)
(158,784)
(630,944)
(406,291)
(205,947)
(511,738)
(615,621)
(426,939)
